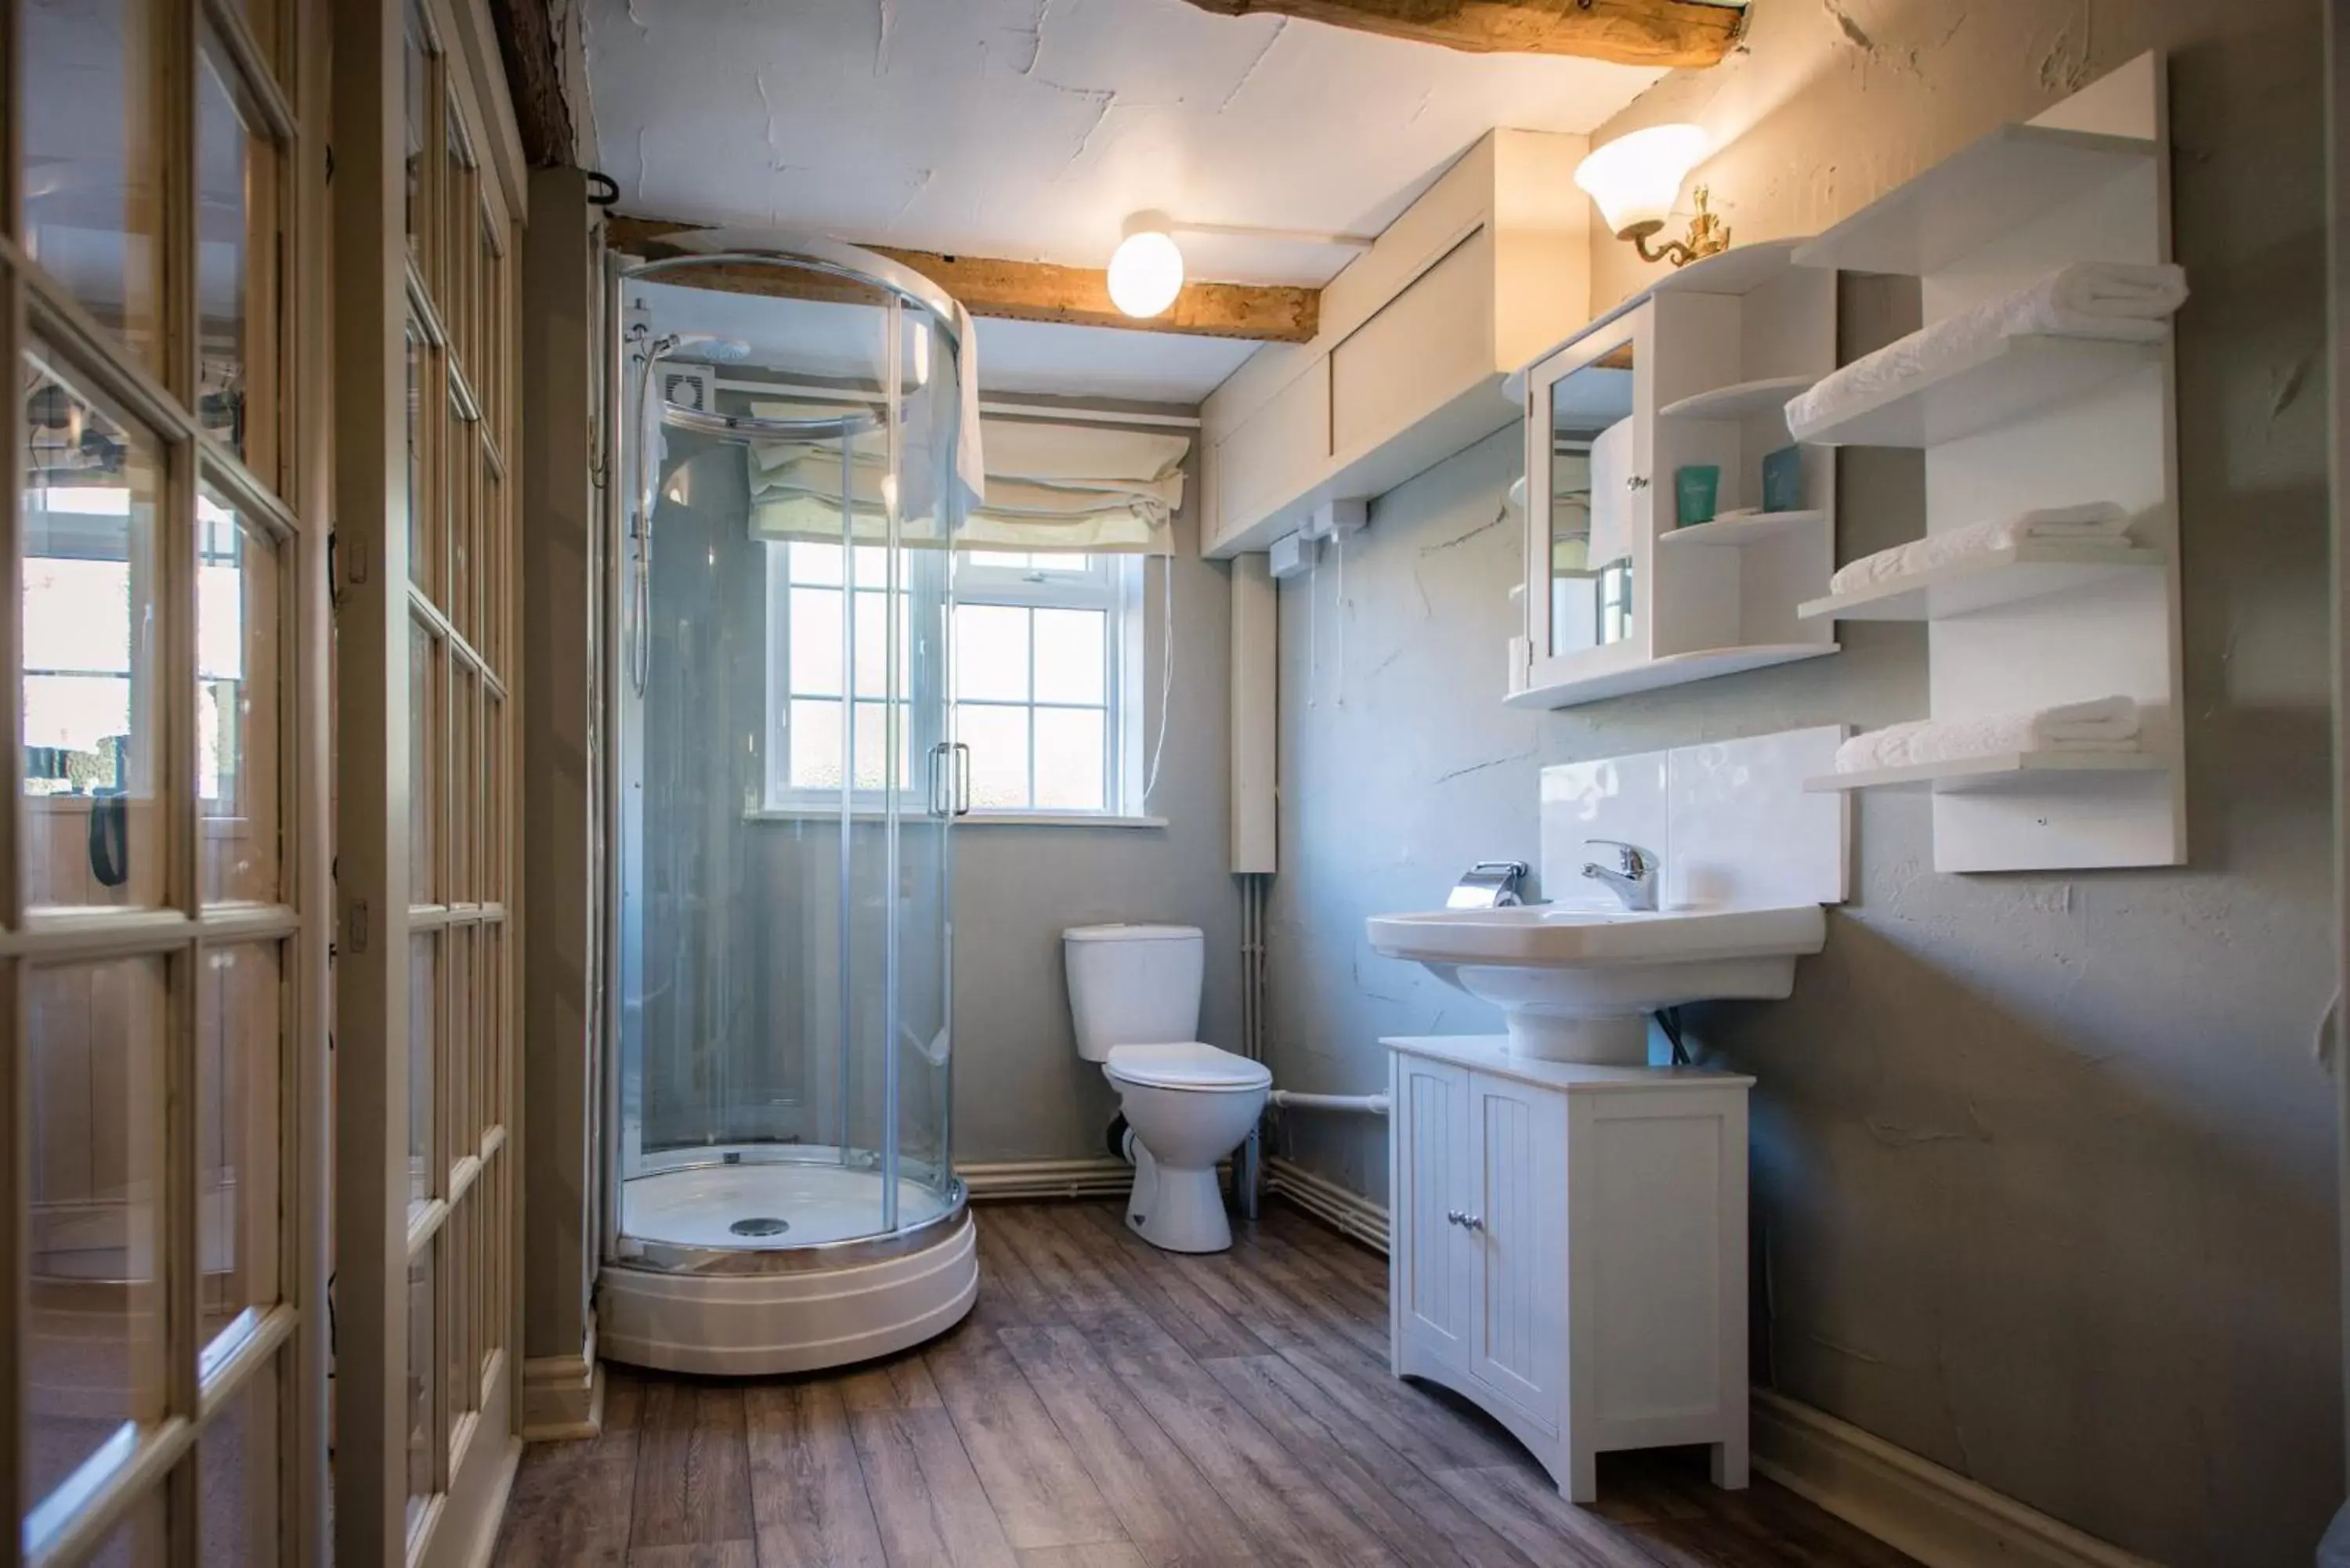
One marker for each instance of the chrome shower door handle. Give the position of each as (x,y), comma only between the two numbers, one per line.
(962,778)
(938,783)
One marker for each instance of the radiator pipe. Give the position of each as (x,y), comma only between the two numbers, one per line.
(1291,1100)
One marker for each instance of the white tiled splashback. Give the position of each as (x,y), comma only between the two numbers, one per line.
(1729,819)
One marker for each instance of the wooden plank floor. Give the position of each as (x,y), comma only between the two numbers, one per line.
(1109,1405)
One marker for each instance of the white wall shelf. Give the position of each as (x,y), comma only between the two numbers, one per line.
(1737,402)
(2008,770)
(1755,528)
(2014,175)
(1671,670)
(1982,581)
(2002,381)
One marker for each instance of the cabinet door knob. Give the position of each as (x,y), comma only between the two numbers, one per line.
(1454,1217)
(1475,1221)
(1636,482)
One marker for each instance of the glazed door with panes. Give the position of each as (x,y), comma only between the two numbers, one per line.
(427,252)
(163,877)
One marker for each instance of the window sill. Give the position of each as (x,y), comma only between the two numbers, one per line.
(975,820)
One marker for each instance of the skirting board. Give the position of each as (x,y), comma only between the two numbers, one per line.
(563,1396)
(1348,1213)
(1936,1515)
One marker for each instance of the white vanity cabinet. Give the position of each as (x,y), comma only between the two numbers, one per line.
(1568,1249)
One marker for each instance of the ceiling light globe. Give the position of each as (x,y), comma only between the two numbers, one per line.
(1636,177)
(1145,273)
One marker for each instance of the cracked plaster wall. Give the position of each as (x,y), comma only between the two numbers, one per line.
(2043,1165)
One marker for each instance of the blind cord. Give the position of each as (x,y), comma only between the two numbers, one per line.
(1166,673)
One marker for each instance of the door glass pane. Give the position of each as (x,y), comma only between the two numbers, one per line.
(238,664)
(92,158)
(417,82)
(238,1067)
(420,545)
(1071,767)
(420,1034)
(461,1241)
(139,1542)
(421,1367)
(424,709)
(92,650)
(94,1356)
(227,211)
(236,1477)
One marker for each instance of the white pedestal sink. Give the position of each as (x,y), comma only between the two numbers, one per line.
(1577,985)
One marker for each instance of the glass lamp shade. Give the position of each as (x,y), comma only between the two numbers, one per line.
(1146,272)
(1635,177)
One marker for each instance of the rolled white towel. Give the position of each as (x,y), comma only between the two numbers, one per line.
(2092,520)
(2085,299)
(2103,724)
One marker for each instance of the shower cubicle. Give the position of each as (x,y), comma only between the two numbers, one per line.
(782,785)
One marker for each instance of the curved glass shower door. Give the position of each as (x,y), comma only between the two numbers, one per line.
(787,775)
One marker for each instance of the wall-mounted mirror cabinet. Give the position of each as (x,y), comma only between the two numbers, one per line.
(1672,526)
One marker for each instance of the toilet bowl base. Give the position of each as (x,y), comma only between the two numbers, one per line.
(1177,1210)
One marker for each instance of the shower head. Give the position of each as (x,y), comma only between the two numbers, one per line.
(708,345)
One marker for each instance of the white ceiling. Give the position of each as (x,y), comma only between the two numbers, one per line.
(1030,129)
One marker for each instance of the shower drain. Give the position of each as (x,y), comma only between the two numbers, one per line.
(762,1226)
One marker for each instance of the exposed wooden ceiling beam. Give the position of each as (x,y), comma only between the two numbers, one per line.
(1623,32)
(530,45)
(1028,291)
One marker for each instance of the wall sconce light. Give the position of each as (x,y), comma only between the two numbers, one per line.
(1634,180)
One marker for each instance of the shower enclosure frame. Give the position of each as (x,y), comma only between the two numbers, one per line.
(924,1268)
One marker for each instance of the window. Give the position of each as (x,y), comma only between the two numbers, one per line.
(1045,652)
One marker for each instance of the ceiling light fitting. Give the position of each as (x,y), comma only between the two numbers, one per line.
(1636,178)
(1146,271)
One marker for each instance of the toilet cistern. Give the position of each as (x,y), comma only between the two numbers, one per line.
(1634,880)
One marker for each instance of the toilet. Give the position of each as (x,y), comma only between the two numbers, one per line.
(1134,994)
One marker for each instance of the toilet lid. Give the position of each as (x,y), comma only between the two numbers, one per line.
(1189,1064)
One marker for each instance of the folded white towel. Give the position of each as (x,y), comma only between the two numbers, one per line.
(2095,520)
(2104,725)
(2086,299)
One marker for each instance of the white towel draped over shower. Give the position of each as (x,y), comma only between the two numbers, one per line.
(2103,724)
(2113,300)
(1048,486)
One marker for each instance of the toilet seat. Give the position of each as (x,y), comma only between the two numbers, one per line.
(1189,1064)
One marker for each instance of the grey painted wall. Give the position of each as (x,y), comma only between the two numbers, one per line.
(2043,1165)
(1020,1091)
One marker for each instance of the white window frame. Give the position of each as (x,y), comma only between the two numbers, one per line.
(1110,583)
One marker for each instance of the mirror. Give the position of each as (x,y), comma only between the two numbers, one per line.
(1595,504)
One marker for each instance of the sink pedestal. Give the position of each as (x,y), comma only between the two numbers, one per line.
(1605,1042)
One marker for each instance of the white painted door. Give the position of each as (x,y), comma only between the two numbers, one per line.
(1517,1225)
(1433,1257)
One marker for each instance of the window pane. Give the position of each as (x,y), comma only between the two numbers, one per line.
(1069,656)
(990,653)
(869,566)
(815,641)
(238,1061)
(815,563)
(226,211)
(236,1477)
(92,648)
(92,142)
(421,1359)
(872,631)
(1002,560)
(421,1036)
(814,740)
(423,708)
(998,738)
(238,675)
(1071,766)
(94,1358)
(872,765)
